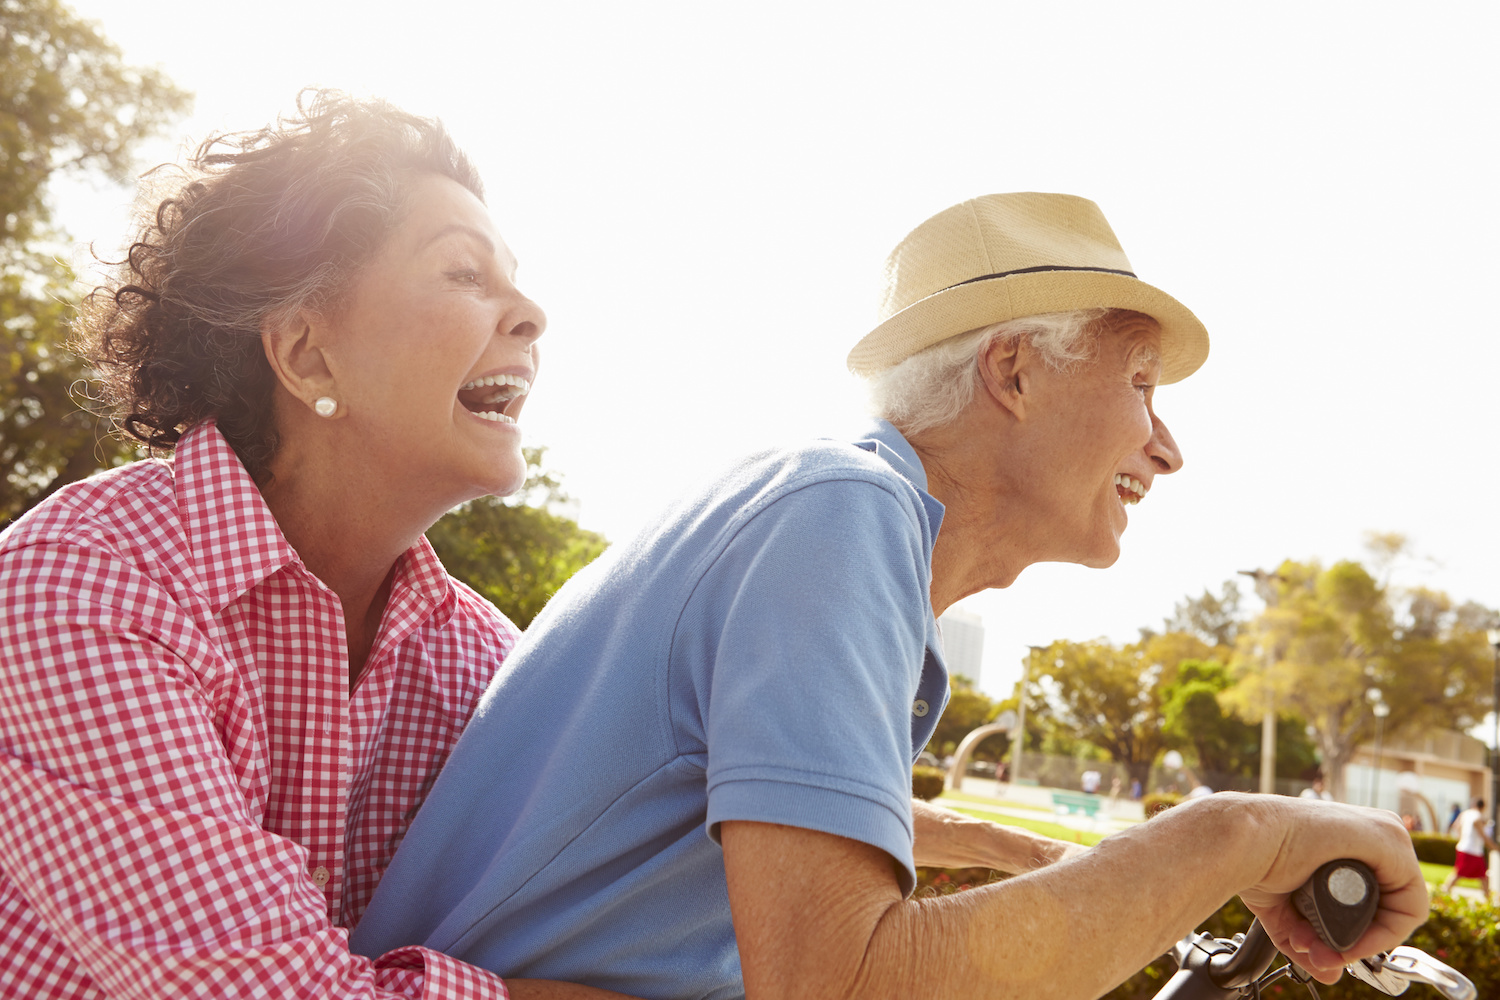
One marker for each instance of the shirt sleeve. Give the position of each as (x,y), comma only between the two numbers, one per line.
(823,599)
(129,848)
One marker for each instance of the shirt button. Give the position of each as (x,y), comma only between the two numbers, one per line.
(919,708)
(320,876)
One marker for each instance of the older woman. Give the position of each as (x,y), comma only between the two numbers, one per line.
(228,677)
(761,667)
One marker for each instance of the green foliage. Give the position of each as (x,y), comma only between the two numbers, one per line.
(1223,744)
(1434,848)
(46,439)
(1463,933)
(68,104)
(1158,801)
(1215,619)
(516,552)
(927,782)
(967,710)
(946,881)
(1329,639)
(1111,696)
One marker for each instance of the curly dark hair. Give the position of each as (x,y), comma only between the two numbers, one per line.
(260,225)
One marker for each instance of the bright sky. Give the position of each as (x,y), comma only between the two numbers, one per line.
(702,196)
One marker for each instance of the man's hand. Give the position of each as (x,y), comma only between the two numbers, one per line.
(1330,830)
(947,839)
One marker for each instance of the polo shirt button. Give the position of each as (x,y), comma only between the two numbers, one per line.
(919,708)
(320,876)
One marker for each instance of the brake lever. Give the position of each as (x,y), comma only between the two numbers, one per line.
(1373,972)
(1413,965)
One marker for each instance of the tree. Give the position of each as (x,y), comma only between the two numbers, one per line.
(1214,619)
(519,550)
(68,104)
(1222,745)
(1334,637)
(1111,696)
(968,709)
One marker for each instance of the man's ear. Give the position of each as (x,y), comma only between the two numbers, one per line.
(294,349)
(1004,366)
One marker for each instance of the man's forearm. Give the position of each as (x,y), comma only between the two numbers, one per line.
(947,839)
(1065,931)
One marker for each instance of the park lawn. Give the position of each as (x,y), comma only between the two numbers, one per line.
(1047,829)
(951,797)
(1433,874)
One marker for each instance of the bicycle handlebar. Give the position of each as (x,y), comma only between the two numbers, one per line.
(1339,900)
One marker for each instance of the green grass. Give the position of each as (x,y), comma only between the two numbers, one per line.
(1055,830)
(985,800)
(1434,874)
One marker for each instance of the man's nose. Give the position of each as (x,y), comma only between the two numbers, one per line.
(1162,448)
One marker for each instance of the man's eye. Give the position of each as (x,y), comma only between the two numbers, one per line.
(470,277)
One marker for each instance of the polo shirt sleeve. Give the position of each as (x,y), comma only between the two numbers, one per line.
(823,600)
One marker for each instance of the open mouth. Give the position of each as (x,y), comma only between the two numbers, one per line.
(1130,489)
(489,397)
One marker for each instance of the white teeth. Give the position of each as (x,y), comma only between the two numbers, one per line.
(1134,487)
(494,415)
(515,380)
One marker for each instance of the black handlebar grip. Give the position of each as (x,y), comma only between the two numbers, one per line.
(1339,901)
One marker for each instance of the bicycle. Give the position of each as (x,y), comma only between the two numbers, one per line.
(1339,901)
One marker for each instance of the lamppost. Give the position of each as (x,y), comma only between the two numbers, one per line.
(1265,587)
(1018,749)
(1494,636)
(1381,710)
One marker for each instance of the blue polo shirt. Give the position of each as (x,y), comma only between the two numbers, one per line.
(767,651)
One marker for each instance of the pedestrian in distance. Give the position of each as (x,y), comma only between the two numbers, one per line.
(1471,854)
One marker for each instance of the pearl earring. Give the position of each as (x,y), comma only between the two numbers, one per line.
(326,406)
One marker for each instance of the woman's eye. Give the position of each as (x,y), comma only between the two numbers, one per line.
(466,277)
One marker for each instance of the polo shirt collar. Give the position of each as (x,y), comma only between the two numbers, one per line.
(886,441)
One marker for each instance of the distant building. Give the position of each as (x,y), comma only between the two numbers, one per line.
(1423,775)
(963,642)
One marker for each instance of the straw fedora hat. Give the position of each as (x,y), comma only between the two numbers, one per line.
(1006,256)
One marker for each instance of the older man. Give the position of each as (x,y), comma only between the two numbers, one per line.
(760,668)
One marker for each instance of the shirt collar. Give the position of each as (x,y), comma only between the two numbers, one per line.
(233,537)
(236,542)
(885,440)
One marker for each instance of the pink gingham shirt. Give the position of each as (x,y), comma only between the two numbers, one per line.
(192,802)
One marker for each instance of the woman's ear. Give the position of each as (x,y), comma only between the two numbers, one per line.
(1005,368)
(294,349)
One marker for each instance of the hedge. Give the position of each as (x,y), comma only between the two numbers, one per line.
(1434,848)
(927,783)
(1157,801)
(1463,932)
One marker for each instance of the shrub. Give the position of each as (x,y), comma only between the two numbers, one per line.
(945,881)
(927,782)
(1434,848)
(1461,932)
(1157,801)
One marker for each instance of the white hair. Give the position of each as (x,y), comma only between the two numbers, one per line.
(933,386)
